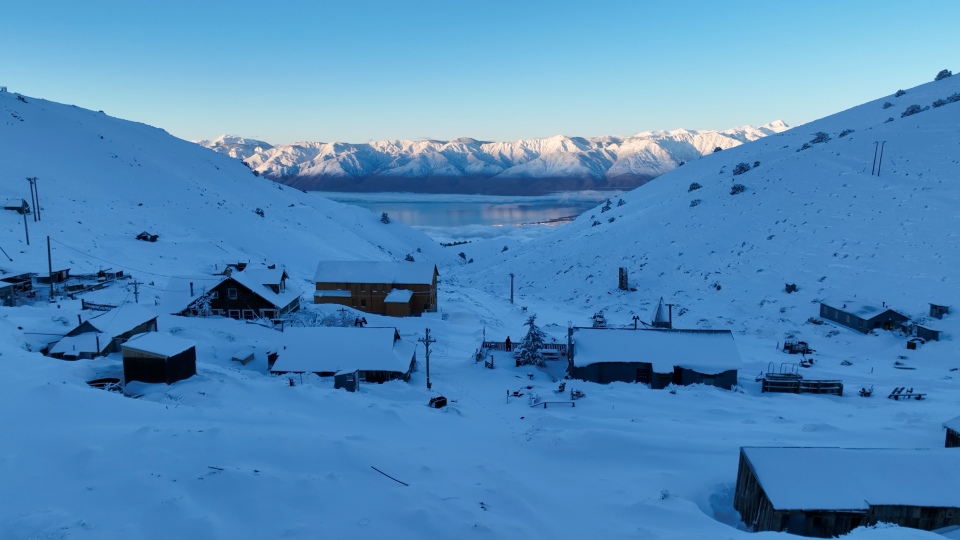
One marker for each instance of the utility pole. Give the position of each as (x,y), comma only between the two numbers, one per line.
(25,229)
(426,340)
(136,291)
(511,287)
(50,267)
(33,199)
(876,144)
(635,319)
(670,311)
(880,164)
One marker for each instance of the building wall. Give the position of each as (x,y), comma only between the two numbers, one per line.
(8,296)
(725,380)
(953,439)
(642,372)
(153,368)
(927,334)
(846,319)
(369,297)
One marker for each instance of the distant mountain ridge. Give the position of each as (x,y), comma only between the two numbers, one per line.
(465,165)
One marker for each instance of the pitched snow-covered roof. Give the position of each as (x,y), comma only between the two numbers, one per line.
(953,424)
(705,351)
(121,319)
(860,308)
(15,204)
(158,343)
(398,296)
(333,349)
(401,273)
(257,281)
(82,343)
(176,296)
(856,478)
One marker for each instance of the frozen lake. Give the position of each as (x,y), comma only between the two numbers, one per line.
(473,217)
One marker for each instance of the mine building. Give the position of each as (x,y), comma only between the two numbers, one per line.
(861,316)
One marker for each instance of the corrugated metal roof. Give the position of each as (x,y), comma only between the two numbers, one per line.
(705,351)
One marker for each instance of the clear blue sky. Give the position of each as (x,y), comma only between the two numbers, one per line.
(364,70)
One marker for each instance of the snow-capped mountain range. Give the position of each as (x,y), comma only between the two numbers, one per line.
(465,165)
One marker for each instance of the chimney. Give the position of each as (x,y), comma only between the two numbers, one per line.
(191,288)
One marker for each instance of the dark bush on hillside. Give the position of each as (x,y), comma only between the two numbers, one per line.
(595,223)
(899,93)
(943,74)
(694,202)
(682,163)
(737,188)
(694,186)
(756,164)
(409,258)
(717,149)
(911,110)
(804,147)
(939,103)
(504,249)
(741,168)
(384,218)
(954,98)
(888,120)
(887,105)
(259,212)
(620,202)
(820,137)
(846,132)
(462,255)
(611,220)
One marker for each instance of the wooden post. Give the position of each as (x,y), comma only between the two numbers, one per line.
(25,229)
(511,286)
(50,267)
(36,190)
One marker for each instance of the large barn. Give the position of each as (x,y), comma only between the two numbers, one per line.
(861,316)
(655,357)
(378,354)
(827,492)
(105,333)
(396,289)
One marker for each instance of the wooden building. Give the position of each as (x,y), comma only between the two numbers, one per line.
(105,333)
(22,281)
(396,289)
(158,358)
(19,206)
(939,311)
(376,354)
(861,316)
(658,357)
(8,294)
(927,334)
(827,492)
(249,294)
(953,433)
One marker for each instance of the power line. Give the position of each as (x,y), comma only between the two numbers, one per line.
(113,263)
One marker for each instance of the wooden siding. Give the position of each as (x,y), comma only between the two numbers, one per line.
(368,297)
(953,439)
(154,368)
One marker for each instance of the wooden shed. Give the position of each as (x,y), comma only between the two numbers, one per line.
(827,492)
(398,289)
(158,358)
(861,316)
(658,357)
(19,206)
(953,433)
(928,334)
(938,311)
(376,354)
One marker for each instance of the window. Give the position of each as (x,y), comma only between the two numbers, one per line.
(214,295)
(363,303)
(249,314)
(268,313)
(232,294)
(217,312)
(363,287)
(234,313)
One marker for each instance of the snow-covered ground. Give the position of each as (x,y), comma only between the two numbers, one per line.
(237,453)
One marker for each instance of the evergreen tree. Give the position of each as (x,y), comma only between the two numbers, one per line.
(528,352)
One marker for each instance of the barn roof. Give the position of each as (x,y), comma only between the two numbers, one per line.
(176,295)
(333,349)
(406,273)
(953,424)
(860,308)
(856,478)
(158,343)
(705,351)
(121,319)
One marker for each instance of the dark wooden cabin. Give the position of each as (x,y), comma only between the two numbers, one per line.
(249,294)
(105,333)
(656,357)
(938,311)
(827,492)
(158,358)
(862,316)
(396,289)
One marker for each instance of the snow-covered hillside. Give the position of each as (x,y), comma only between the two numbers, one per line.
(465,165)
(111,179)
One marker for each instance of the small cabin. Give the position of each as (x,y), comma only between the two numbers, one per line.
(953,432)
(22,281)
(938,311)
(396,289)
(253,293)
(827,492)
(862,316)
(656,357)
(19,206)
(158,358)
(927,334)
(105,333)
(376,354)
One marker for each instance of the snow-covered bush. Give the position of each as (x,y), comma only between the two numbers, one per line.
(804,147)
(737,188)
(694,186)
(756,164)
(611,220)
(887,105)
(595,223)
(504,249)
(530,347)
(694,202)
(888,120)
(409,258)
(943,74)
(470,261)
(911,110)
(717,149)
(939,103)
(820,137)
(259,212)
(741,168)
(462,255)
(953,98)
(899,93)
(621,203)
(384,218)
(846,132)
(682,163)
(606,206)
